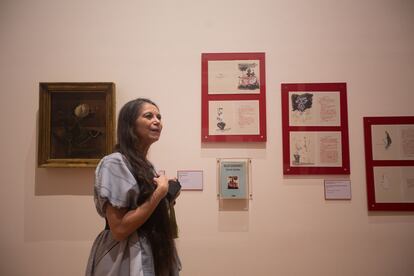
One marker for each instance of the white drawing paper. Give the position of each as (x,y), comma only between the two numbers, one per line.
(234,118)
(315,149)
(314,108)
(392,142)
(233,77)
(394,184)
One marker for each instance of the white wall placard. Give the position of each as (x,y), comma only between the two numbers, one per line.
(337,189)
(191,179)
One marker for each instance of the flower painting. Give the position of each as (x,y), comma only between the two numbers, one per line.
(76,123)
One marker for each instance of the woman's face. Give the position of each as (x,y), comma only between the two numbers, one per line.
(148,125)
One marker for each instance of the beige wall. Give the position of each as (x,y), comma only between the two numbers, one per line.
(153,48)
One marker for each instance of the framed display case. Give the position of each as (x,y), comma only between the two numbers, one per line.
(233,178)
(76,123)
(233,97)
(315,128)
(389,159)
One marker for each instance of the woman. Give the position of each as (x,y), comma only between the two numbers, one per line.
(140,225)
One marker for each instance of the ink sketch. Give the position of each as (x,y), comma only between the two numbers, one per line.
(392,142)
(234,117)
(394,184)
(315,149)
(314,108)
(233,77)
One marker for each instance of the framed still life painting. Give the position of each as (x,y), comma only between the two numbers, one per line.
(233,97)
(315,128)
(76,123)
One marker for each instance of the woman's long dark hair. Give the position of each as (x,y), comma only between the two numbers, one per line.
(157,229)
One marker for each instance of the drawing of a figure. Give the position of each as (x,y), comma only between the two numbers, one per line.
(301,155)
(220,120)
(387,140)
(248,79)
(301,102)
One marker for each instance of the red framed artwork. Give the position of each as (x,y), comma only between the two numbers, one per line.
(233,100)
(389,159)
(315,128)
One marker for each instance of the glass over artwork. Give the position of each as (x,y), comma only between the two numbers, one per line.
(233,106)
(234,117)
(76,123)
(315,149)
(393,142)
(389,159)
(315,128)
(233,77)
(314,108)
(233,178)
(394,184)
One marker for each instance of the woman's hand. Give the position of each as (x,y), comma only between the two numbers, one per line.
(162,185)
(124,222)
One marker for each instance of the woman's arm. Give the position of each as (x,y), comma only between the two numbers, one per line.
(124,222)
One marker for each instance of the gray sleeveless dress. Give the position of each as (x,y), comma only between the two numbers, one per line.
(114,183)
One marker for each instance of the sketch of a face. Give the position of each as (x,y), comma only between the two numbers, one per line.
(301,102)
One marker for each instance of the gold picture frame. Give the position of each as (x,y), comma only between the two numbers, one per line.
(76,123)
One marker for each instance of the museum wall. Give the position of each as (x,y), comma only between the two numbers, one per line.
(153,49)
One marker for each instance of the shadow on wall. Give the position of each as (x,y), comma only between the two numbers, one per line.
(58,202)
(60,206)
(64,181)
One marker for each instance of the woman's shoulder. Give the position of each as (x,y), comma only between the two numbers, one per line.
(113,158)
(116,156)
(115,183)
(114,161)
